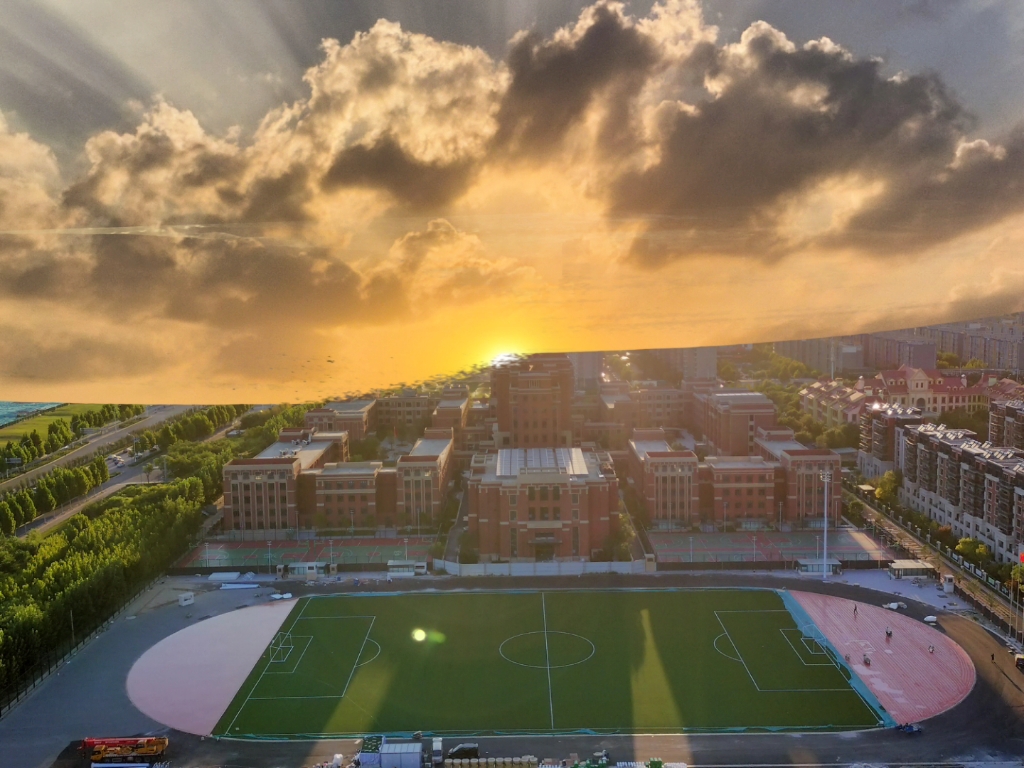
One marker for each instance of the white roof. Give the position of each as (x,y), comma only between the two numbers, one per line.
(430,447)
(643,447)
(568,461)
(306,454)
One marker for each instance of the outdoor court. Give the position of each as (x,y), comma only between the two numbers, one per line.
(549,662)
(253,555)
(763,546)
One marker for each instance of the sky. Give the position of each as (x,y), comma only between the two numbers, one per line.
(277,201)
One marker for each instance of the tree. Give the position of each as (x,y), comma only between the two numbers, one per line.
(7,522)
(973,551)
(148,469)
(727,371)
(975,364)
(469,548)
(888,487)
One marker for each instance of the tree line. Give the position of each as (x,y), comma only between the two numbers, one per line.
(112,548)
(52,490)
(60,433)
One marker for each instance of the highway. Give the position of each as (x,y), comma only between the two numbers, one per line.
(154,416)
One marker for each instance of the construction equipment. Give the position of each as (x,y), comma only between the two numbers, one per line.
(123,750)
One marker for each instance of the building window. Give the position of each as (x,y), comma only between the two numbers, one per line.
(555,493)
(575,498)
(543,493)
(543,513)
(556,513)
(512,515)
(533,513)
(531,493)
(512,499)
(575,514)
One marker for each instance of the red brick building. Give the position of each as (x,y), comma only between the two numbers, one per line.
(532,400)
(730,418)
(800,471)
(422,478)
(541,503)
(357,417)
(262,494)
(665,480)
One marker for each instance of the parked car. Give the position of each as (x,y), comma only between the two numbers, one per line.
(464,752)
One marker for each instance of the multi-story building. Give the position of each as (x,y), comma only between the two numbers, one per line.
(409,408)
(587,367)
(357,417)
(541,503)
(834,403)
(657,407)
(665,480)
(881,436)
(532,399)
(693,363)
(901,348)
(345,496)
(729,419)
(262,494)
(829,355)
(930,391)
(742,491)
(1006,424)
(974,488)
(800,478)
(422,478)
(998,342)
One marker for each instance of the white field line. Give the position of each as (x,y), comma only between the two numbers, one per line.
(260,678)
(295,668)
(547,659)
(355,662)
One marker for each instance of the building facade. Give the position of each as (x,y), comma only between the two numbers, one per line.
(532,400)
(881,437)
(974,488)
(729,419)
(541,504)
(357,417)
(665,480)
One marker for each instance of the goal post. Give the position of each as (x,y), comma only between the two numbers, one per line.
(281,647)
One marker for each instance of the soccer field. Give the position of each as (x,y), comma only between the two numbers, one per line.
(548,662)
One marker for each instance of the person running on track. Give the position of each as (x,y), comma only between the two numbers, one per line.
(855,611)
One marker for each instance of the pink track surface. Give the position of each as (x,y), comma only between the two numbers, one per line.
(910,683)
(188,680)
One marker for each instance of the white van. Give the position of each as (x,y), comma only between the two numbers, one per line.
(436,753)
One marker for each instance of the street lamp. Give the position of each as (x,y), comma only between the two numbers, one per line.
(691,549)
(827,477)
(406,540)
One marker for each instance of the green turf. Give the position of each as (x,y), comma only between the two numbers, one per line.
(557,661)
(43,420)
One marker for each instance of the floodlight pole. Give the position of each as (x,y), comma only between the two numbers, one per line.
(691,549)
(827,477)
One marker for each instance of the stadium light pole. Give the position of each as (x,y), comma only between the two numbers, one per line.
(827,477)
(691,549)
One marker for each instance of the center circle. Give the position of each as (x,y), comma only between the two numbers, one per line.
(547,650)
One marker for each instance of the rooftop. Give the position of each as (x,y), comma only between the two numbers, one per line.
(430,447)
(351,468)
(511,463)
(352,406)
(307,453)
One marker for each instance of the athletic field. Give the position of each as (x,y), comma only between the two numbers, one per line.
(547,662)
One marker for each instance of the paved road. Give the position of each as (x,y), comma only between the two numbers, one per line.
(127,476)
(970,584)
(155,415)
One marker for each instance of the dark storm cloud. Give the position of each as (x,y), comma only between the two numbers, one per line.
(36,357)
(555,81)
(415,184)
(785,119)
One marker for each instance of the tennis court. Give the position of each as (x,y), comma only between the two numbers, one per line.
(763,546)
(253,555)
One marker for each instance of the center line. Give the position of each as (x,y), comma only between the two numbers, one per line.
(547,659)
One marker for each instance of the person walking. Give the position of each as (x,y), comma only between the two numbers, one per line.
(993,658)
(855,611)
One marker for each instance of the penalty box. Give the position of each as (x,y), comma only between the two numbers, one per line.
(779,657)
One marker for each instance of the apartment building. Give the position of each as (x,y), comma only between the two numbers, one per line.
(541,503)
(833,403)
(881,437)
(693,363)
(897,349)
(830,356)
(974,488)
(1006,424)
(587,368)
(408,408)
(665,480)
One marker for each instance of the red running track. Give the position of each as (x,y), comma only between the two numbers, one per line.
(911,683)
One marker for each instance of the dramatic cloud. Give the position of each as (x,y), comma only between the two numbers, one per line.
(621,182)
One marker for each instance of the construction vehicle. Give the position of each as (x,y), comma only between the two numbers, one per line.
(124,750)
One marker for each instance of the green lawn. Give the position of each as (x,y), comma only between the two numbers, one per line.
(543,662)
(43,420)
